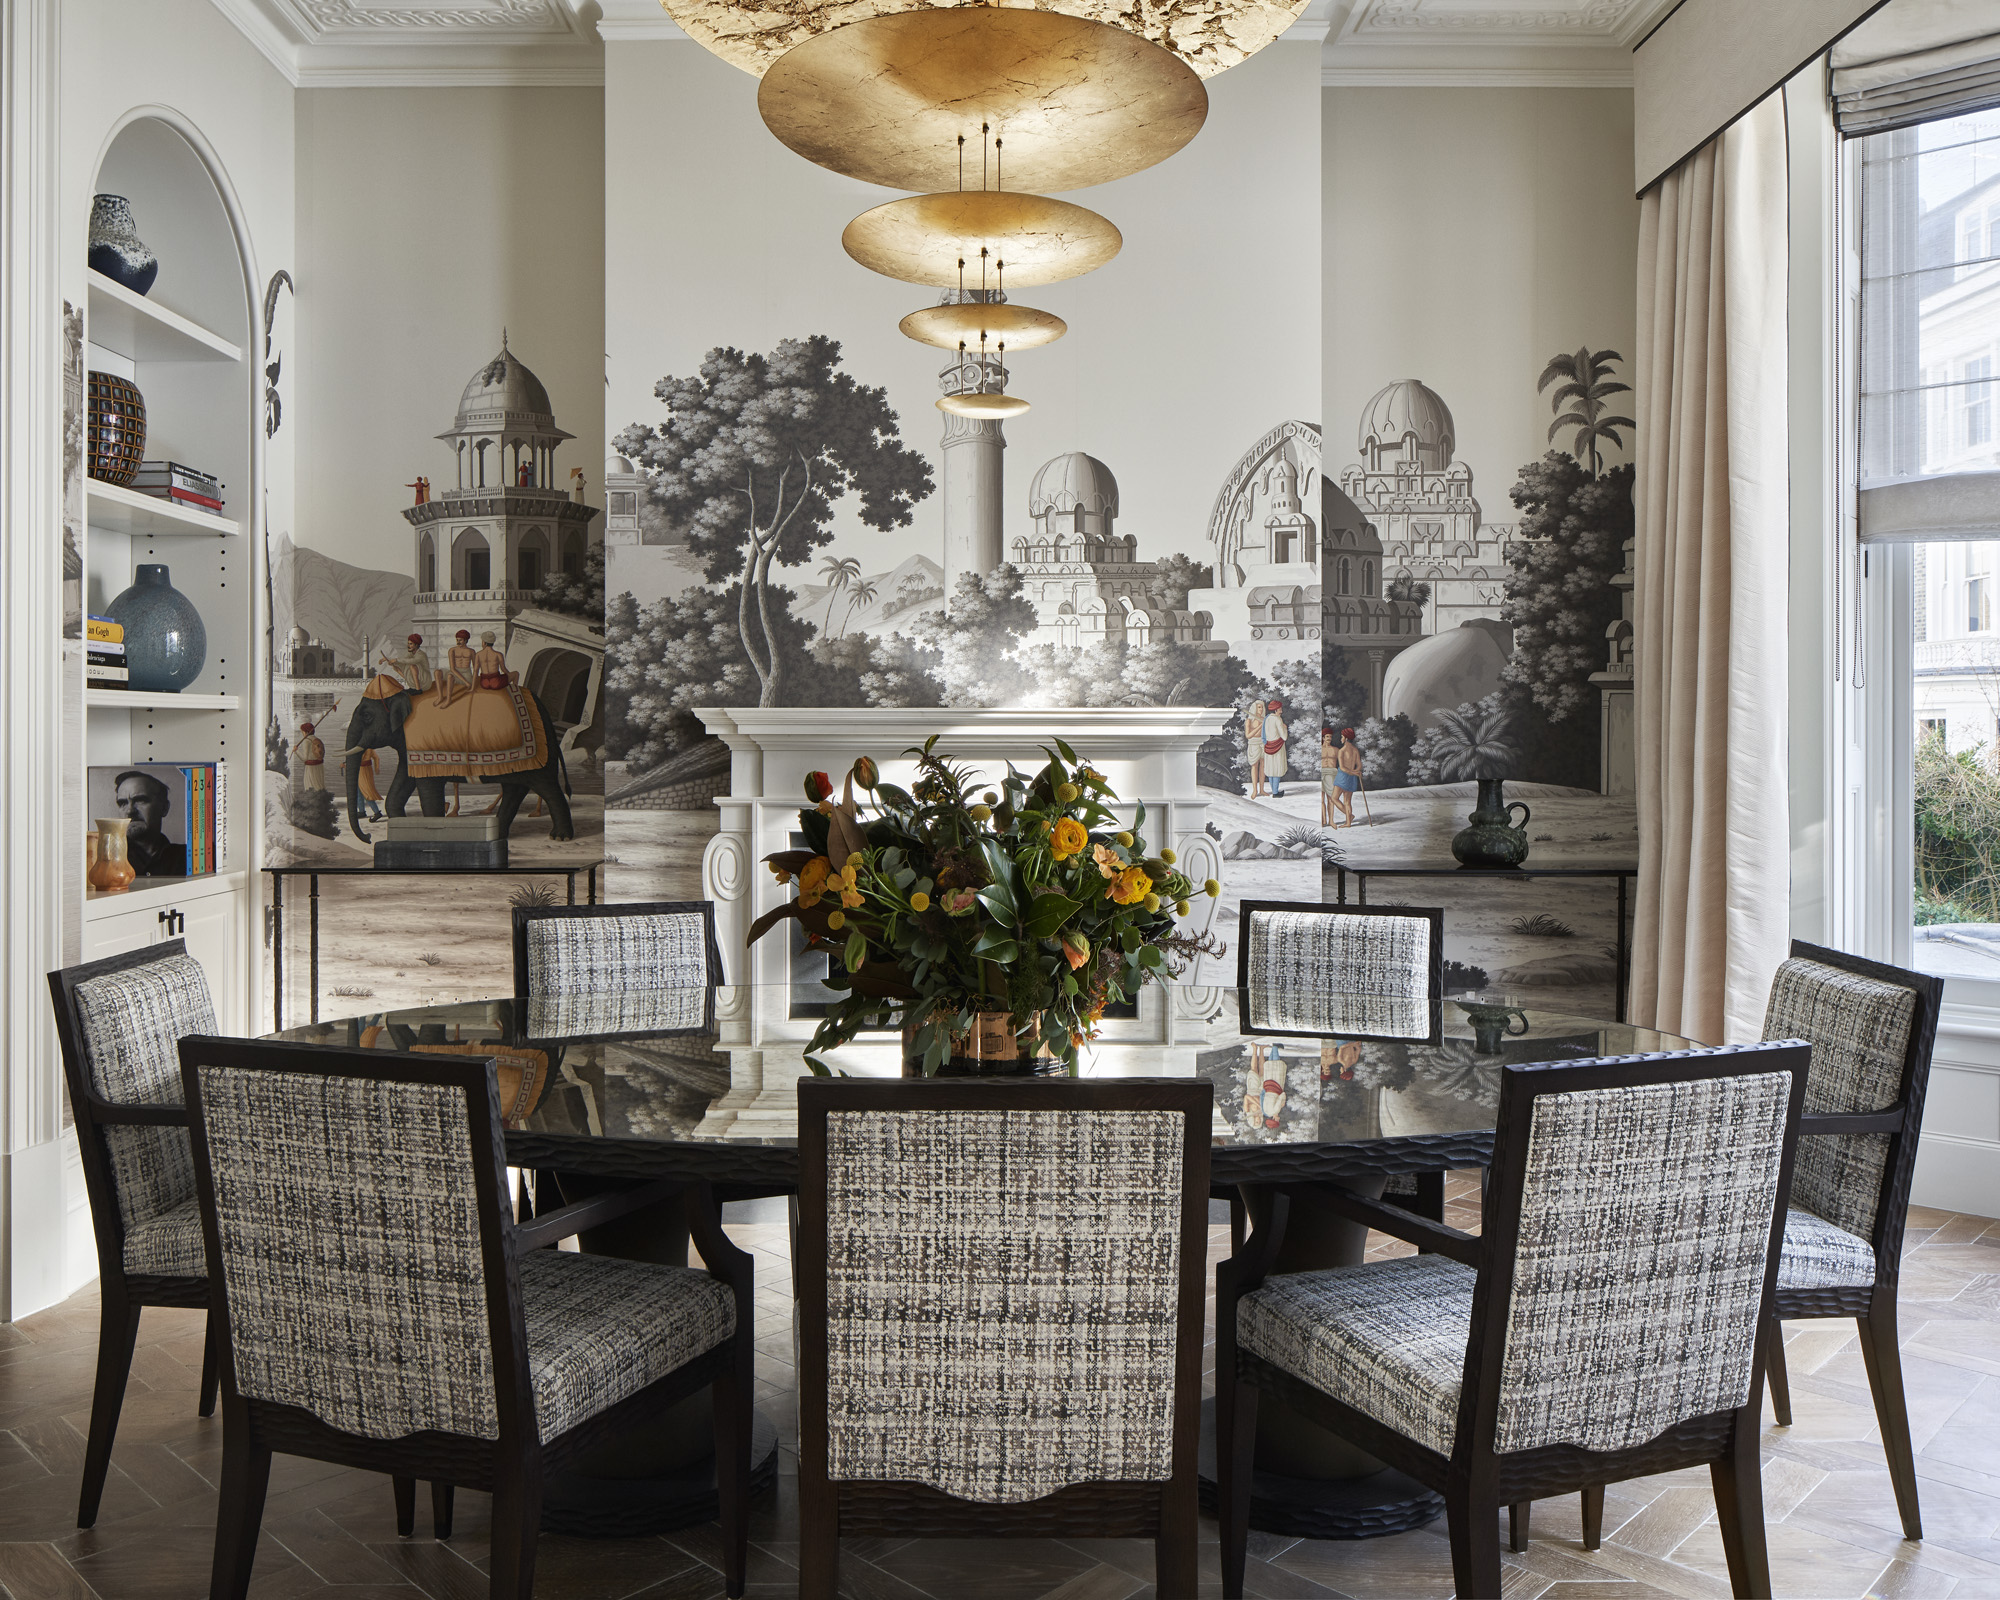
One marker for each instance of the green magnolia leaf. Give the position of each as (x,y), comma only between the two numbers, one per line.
(1129,938)
(992,939)
(1048,913)
(1068,754)
(1139,816)
(999,900)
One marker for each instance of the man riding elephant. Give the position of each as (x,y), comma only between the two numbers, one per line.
(500,735)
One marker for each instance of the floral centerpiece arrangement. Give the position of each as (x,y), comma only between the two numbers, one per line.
(1018,914)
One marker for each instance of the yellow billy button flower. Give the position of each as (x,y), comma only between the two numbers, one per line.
(1169,857)
(1124,838)
(920,901)
(1152,902)
(980,813)
(1068,793)
(1180,908)
(836,920)
(991,797)
(1211,888)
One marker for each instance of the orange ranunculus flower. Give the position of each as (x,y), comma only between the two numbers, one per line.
(1130,887)
(1075,949)
(812,880)
(1067,838)
(1109,862)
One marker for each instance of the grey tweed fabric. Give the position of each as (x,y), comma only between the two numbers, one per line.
(169,1245)
(597,955)
(1318,972)
(1387,1338)
(1820,1256)
(132,1023)
(1001,1298)
(1639,1272)
(650,1010)
(1859,1030)
(600,1329)
(357,1291)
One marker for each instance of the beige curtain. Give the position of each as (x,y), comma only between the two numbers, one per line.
(1714,882)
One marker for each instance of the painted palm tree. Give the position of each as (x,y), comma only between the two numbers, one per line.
(1473,741)
(858,595)
(838,574)
(1586,385)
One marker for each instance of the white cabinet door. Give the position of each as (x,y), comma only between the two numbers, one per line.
(126,930)
(213,929)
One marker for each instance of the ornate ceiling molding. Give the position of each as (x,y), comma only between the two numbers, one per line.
(387,43)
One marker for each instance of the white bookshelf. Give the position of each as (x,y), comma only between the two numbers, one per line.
(183,344)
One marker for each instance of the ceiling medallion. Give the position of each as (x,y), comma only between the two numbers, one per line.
(933,238)
(952,327)
(1209,35)
(890,99)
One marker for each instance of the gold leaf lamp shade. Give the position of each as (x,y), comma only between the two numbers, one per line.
(988,407)
(937,238)
(1209,35)
(901,100)
(952,326)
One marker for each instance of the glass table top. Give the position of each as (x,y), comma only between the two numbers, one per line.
(718,1066)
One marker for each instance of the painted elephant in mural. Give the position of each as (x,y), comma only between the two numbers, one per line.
(485,735)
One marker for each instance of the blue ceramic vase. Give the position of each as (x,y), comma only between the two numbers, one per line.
(165,643)
(116,250)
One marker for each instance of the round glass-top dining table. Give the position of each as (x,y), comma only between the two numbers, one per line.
(1323,1088)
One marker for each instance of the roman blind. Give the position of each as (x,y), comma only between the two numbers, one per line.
(1917,61)
(1930,331)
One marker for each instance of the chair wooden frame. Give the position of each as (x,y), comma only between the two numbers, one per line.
(1874,1307)
(122,1295)
(1164,1512)
(513,1465)
(1435,974)
(523,915)
(1475,1479)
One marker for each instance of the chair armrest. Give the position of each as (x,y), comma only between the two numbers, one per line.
(109,1111)
(1406,1225)
(561,1224)
(1890,1121)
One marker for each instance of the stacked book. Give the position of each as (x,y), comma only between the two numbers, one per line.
(184,486)
(104,662)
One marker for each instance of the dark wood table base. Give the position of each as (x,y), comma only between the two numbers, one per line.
(586,1507)
(1367,1507)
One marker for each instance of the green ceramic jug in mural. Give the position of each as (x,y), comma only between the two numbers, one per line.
(1494,839)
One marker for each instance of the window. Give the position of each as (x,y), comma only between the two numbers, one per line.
(1978,606)
(1345,570)
(1368,578)
(1929,726)
(1976,390)
(530,562)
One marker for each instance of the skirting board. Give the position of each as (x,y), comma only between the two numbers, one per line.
(53,1250)
(1957,1175)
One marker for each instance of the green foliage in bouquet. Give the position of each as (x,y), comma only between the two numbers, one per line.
(1030,899)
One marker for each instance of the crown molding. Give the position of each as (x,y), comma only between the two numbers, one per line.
(625,20)
(1347,63)
(450,55)
(274,43)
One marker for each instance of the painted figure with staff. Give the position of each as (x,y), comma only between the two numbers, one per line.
(1340,778)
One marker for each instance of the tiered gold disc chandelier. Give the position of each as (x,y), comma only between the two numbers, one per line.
(985,111)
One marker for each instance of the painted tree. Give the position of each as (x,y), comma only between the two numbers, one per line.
(752,458)
(1173,577)
(1471,741)
(838,574)
(1559,599)
(862,593)
(1586,385)
(971,645)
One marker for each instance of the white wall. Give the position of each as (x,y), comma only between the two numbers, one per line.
(1470,234)
(429,220)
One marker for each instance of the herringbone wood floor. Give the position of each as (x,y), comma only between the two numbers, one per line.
(329,1531)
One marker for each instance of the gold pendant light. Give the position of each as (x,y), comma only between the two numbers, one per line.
(951,327)
(1078,102)
(924,238)
(988,407)
(1209,35)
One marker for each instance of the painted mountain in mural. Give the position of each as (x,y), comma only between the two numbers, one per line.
(353,610)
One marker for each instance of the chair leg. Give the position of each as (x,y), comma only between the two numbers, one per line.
(731,1395)
(1517,1525)
(211,1365)
(406,1505)
(1777,1376)
(819,1537)
(1473,1522)
(1430,1196)
(246,1473)
(117,1332)
(1235,1475)
(1593,1516)
(1176,1547)
(517,1523)
(1739,1507)
(441,1500)
(1884,1360)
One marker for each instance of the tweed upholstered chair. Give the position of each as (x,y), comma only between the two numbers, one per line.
(118,1022)
(1351,972)
(1000,1313)
(1872,1028)
(1605,1324)
(599,971)
(381,1309)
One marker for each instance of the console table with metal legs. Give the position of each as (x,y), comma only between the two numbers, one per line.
(1624,874)
(566,870)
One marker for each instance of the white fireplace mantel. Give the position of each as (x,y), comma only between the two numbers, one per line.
(1146,753)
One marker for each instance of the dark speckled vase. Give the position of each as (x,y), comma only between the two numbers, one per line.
(1494,839)
(116,250)
(165,642)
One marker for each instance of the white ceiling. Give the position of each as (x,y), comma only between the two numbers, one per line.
(1468,43)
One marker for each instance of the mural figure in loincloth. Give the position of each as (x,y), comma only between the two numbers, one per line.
(1253,745)
(458,670)
(1340,777)
(489,666)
